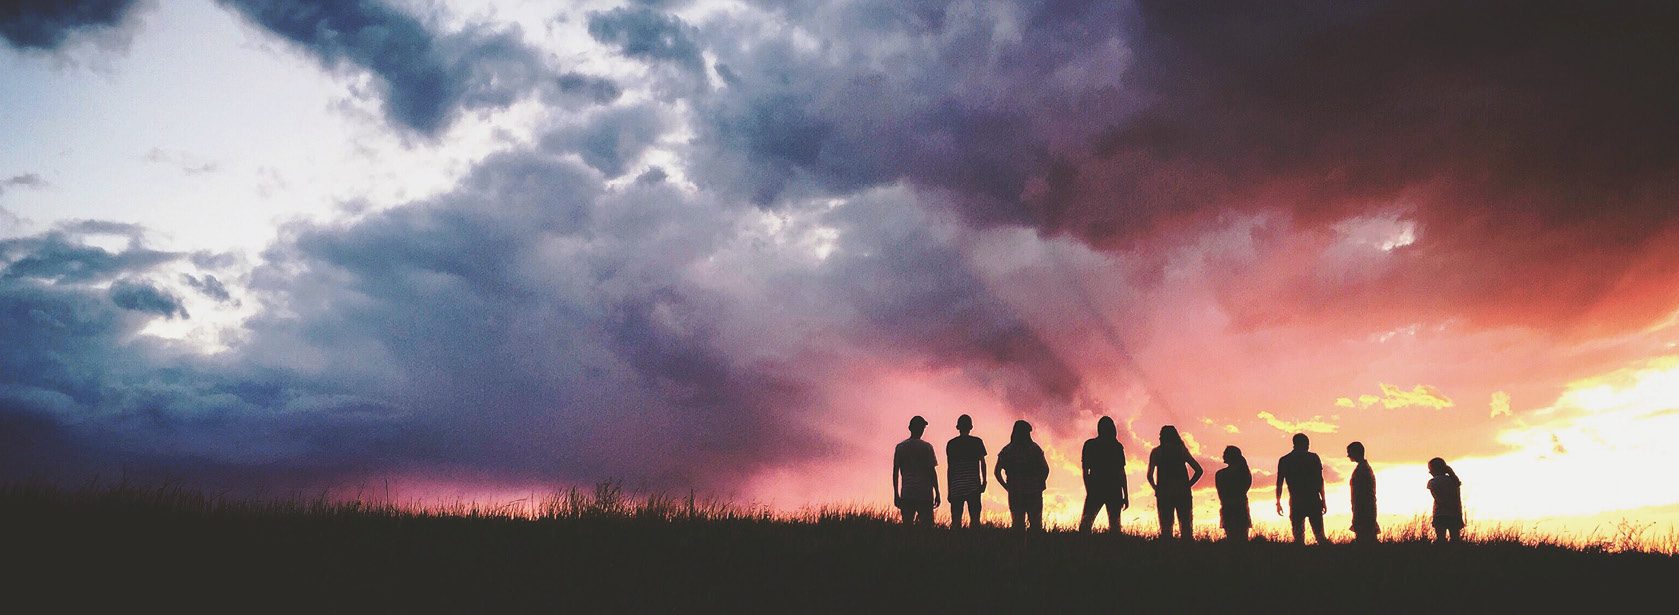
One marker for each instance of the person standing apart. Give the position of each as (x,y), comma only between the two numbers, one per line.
(1233,483)
(1363,486)
(1023,472)
(918,493)
(1104,477)
(1168,474)
(965,478)
(1448,501)
(1302,471)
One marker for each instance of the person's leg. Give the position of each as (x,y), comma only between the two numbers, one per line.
(1036,511)
(1298,522)
(956,513)
(973,511)
(1017,511)
(1456,534)
(908,513)
(1092,505)
(1164,507)
(1317,529)
(1113,516)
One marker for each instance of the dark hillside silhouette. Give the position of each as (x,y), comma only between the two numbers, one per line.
(145,550)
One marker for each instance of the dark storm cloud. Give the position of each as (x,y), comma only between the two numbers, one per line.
(59,256)
(648,34)
(971,100)
(46,24)
(598,89)
(1514,133)
(427,76)
(209,286)
(143,297)
(613,138)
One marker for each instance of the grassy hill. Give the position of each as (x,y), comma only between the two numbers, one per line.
(581,552)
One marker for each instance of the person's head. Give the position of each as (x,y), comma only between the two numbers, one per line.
(1105,428)
(1438,467)
(1169,436)
(1301,442)
(917,425)
(964,424)
(1355,451)
(1233,456)
(1022,431)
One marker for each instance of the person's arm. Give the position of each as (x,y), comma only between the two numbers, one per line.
(934,472)
(1323,499)
(1198,471)
(1124,490)
(982,476)
(1280,480)
(897,500)
(1152,481)
(1084,466)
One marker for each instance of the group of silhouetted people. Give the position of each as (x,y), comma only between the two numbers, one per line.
(1023,471)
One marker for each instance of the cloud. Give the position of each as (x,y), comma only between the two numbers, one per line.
(1500,404)
(1393,397)
(644,33)
(1315,424)
(47,24)
(143,297)
(26,180)
(427,77)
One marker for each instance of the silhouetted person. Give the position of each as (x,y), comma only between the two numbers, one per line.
(1023,471)
(1169,475)
(1448,501)
(1233,483)
(1302,471)
(1104,477)
(1363,486)
(965,478)
(918,494)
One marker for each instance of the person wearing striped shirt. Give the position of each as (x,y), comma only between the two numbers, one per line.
(917,494)
(965,477)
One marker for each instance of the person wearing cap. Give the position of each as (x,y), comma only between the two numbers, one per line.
(965,478)
(917,493)
(1023,472)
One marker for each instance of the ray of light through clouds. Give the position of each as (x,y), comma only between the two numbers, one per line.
(487,248)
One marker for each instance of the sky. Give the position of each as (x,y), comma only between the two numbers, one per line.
(480,249)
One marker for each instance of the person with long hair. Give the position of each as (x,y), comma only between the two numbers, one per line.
(1104,477)
(1363,487)
(1448,501)
(1023,471)
(1233,483)
(1172,483)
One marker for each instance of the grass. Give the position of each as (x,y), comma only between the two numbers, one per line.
(601,549)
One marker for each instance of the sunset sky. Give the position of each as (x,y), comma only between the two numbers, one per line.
(481,249)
